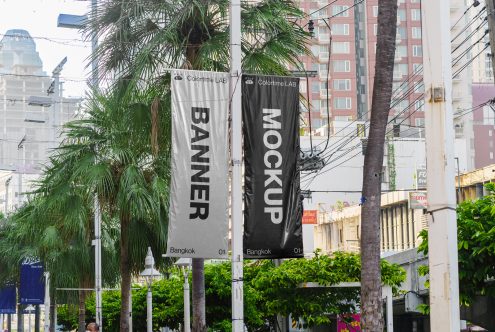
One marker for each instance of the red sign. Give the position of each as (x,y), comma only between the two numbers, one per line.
(349,323)
(310,217)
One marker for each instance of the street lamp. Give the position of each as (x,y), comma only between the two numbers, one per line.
(185,264)
(149,273)
(29,310)
(79,22)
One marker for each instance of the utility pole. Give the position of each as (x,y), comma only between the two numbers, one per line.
(439,127)
(236,148)
(490,12)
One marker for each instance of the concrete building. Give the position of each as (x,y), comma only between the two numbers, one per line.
(401,217)
(484,124)
(344,47)
(482,65)
(31,115)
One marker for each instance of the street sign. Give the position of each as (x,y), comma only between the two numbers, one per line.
(418,200)
(421,178)
(310,217)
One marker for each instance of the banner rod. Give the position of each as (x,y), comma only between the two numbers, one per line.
(236,151)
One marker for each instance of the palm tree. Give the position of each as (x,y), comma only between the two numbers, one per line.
(113,153)
(141,39)
(371,303)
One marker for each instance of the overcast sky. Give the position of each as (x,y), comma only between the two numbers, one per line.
(39,18)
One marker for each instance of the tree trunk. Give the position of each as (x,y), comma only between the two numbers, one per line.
(125,272)
(198,295)
(82,310)
(371,292)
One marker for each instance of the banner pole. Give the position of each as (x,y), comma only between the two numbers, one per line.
(236,150)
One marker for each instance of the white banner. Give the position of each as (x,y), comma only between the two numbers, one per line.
(198,218)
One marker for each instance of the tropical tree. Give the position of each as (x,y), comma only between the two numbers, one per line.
(140,40)
(119,151)
(269,290)
(54,229)
(371,299)
(476,246)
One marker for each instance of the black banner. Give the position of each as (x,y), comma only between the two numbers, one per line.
(272,205)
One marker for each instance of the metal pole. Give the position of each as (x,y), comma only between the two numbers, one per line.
(236,191)
(56,105)
(97,244)
(97,221)
(187,314)
(439,129)
(7,182)
(47,302)
(387,290)
(94,45)
(149,308)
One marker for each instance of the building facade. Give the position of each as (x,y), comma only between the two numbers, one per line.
(344,54)
(401,220)
(31,114)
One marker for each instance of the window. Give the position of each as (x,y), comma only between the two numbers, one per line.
(420,122)
(375,29)
(302,87)
(491,155)
(400,69)
(340,29)
(488,115)
(315,49)
(416,33)
(342,103)
(401,51)
(323,52)
(315,87)
(402,33)
(342,85)
(323,34)
(415,1)
(343,118)
(419,87)
(417,50)
(417,67)
(323,105)
(323,70)
(418,105)
(415,14)
(340,11)
(490,133)
(402,106)
(401,15)
(488,66)
(341,47)
(375,11)
(341,66)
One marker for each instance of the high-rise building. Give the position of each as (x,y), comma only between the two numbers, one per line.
(30,113)
(344,48)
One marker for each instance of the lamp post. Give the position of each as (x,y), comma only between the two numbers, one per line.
(29,310)
(149,273)
(185,264)
(79,22)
